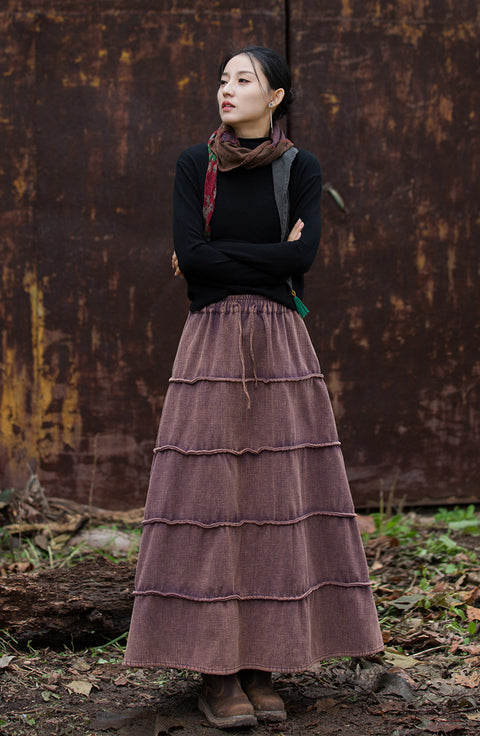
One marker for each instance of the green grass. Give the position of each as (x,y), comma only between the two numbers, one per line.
(421,575)
(57,552)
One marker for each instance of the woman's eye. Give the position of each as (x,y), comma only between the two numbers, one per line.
(243,80)
(222,82)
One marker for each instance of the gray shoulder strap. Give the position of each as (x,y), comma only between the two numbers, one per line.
(281,177)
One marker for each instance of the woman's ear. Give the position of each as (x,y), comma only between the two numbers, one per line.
(277,97)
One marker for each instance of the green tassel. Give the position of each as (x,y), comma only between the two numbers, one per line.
(301,308)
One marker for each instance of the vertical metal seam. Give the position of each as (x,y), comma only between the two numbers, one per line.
(287,31)
(288,58)
(37,28)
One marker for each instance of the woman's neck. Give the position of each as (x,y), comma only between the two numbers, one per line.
(254,130)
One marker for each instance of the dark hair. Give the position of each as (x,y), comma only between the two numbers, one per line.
(275,70)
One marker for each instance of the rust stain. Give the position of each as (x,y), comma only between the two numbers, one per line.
(13,411)
(356,325)
(451,265)
(182,83)
(81,79)
(399,273)
(410,32)
(446,108)
(335,385)
(22,181)
(53,419)
(187,34)
(332,100)
(421,259)
(388,104)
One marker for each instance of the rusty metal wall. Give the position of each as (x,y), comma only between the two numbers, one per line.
(96,102)
(389,102)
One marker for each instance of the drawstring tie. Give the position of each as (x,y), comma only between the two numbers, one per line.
(251,329)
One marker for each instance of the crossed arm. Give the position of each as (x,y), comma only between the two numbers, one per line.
(238,262)
(295,234)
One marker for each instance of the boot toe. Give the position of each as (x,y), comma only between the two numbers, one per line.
(267,704)
(224,703)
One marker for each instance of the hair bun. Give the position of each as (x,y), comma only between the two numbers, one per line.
(290,96)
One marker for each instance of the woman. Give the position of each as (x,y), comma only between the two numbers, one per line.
(250,561)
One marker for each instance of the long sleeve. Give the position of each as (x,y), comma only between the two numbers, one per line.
(198,258)
(245,254)
(284,259)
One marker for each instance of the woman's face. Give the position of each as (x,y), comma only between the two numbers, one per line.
(244,96)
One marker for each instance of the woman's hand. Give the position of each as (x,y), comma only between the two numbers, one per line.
(175,266)
(296,231)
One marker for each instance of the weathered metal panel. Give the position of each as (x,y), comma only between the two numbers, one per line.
(98,98)
(96,101)
(389,101)
(17,173)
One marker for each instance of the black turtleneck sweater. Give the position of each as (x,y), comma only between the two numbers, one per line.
(245,254)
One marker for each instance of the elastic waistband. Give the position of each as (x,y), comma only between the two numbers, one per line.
(247,302)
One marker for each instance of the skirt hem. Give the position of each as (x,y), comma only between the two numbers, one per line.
(254,665)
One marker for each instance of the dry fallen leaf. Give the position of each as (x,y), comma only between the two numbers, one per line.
(455,646)
(400,660)
(470,596)
(473,613)
(472,648)
(5,661)
(14,567)
(81,665)
(472,680)
(54,678)
(79,687)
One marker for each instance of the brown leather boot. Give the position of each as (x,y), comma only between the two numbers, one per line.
(267,704)
(224,703)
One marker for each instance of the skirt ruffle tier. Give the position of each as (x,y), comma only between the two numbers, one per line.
(250,554)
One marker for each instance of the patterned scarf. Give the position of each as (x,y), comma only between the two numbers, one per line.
(226,153)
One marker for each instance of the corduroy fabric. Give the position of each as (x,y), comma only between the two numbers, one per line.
(250,555)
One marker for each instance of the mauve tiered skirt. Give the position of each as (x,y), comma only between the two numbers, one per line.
(250,554)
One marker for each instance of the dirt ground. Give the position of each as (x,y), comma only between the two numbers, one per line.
(426,582)
(89,694)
